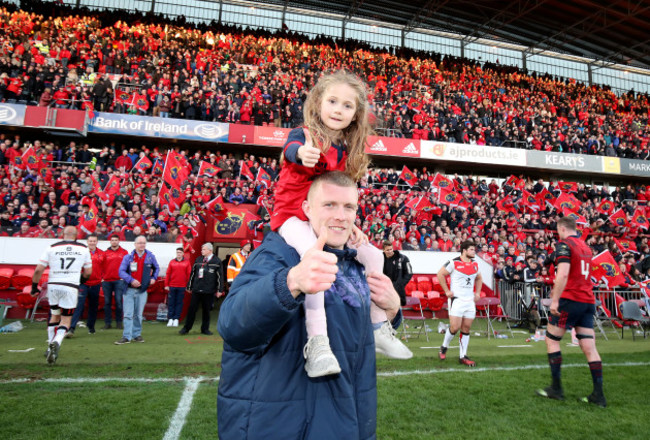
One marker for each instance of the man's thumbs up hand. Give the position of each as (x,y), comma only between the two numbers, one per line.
(316,271)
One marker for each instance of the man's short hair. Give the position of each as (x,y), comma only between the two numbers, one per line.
(208,245)
(387,243)
(338,178)
(466,245)
(180,249)
(92,235)
(567,222)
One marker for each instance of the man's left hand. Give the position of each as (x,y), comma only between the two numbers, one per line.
(383,293)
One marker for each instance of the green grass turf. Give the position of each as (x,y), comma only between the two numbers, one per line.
(441,400)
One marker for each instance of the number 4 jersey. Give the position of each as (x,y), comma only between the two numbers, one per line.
(66,259)
(579,287)
(462,277)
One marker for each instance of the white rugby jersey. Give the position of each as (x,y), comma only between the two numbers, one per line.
(66,259)
(462,278)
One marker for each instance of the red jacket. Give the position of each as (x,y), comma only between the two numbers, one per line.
(178,273)
(112,261)
(98,268)
(295,181)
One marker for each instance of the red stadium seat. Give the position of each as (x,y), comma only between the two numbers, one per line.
(22,278)
(6,273)
(424,283)
(410,287)
(435,300)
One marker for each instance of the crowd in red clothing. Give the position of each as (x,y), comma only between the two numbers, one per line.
(220,73)
(412,218)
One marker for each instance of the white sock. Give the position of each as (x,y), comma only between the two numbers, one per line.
(448,338)
(463,341)
(51,331)
(60,334)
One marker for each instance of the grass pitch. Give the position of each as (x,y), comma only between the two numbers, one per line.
(104,391)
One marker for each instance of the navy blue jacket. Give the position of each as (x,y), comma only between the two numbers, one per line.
(264,391)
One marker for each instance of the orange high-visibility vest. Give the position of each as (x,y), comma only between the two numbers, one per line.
(235,264)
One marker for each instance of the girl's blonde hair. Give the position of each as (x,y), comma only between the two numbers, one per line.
(355,135)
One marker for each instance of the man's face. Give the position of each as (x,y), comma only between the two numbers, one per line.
(334,208)
(247,248)
(388,251)
(205,251)
(179,254)
(140,244)
(470,252)
(92,242)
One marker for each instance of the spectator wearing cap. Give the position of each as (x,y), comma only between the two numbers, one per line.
(237,260)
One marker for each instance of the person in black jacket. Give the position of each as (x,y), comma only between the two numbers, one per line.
(205,281)
(397,267)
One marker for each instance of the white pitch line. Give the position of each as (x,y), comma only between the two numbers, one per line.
(480,370)
(178,419)
(109,379)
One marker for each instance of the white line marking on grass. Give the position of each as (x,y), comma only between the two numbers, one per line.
(513,346)
(184,405)
(522,367)
(110,379)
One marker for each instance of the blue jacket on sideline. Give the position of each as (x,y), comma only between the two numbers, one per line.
(151,269)
(264,391)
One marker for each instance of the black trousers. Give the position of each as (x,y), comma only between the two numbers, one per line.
(205,300)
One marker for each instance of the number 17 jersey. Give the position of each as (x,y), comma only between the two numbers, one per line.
(66,259)
(579,287)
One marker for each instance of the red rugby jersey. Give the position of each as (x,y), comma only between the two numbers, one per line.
(579,287)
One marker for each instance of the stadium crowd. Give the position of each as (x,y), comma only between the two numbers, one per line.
(117,61)
(34,204)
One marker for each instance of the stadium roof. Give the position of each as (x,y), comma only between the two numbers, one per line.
(611,31)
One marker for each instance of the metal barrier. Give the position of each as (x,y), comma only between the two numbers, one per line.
(518,299)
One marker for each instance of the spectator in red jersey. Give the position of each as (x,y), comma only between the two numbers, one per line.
(124,161)
(89,289)
(113,286)
(176,279)
(24,230)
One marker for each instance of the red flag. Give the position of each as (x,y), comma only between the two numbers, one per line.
(171,197)
(181,159)
(44,171)
(174,172)
(639,218)
(619,218)
(123,97)
(407,176)
(140,102)
(451,198)
(158,167)
(263,177)
(207,169)
(88,222)
(567,201)
(215,208)
(568,186)
(624,245)
(529,200)
(605,207)
(29,158)
(545,198)
(580,219)
(143,164)
(604,267)
(245,171)
(113,185)
(506,205)
(99,192)
(441,181)
(515,182)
